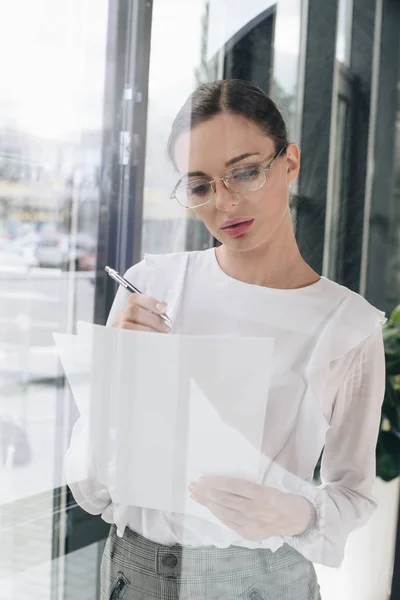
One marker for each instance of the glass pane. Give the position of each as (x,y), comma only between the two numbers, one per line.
(263,42)
(221,40)
(52,57)
(249,52)
(393,291)
(286,69)
(167,227)
(339,194)
(344,26)
(289,39)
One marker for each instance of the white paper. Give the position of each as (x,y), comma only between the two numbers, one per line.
(165,409)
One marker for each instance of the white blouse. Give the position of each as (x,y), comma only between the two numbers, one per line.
(326,392)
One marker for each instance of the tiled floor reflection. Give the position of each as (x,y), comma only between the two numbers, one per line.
(34,411)
(78,579)
(82,577)
(26,534)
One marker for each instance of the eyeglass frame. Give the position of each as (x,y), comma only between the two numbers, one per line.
(214,181)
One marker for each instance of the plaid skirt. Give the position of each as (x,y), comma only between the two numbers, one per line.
(135,568)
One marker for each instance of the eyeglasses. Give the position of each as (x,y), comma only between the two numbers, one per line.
(239,180)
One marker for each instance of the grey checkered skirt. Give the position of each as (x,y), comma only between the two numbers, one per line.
(134,568)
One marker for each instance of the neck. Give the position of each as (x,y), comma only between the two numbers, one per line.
(277,263)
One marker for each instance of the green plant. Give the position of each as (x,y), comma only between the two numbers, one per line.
(388,444)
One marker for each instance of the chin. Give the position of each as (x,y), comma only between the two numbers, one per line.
(244,243)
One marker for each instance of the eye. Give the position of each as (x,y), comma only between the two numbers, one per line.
(199,188)
(246,173)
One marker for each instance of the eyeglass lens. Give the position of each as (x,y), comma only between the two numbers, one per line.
(240,180)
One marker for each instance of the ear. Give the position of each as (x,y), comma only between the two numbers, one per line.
(293,162)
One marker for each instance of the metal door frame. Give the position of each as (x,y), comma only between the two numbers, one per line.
(120,215)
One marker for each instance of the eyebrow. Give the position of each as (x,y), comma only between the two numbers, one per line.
(236,159)
(229,163)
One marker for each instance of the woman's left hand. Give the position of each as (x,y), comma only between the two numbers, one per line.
(254,511)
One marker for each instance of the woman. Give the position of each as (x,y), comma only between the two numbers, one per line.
(229,143)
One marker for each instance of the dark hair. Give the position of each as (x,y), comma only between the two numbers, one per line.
(233,96)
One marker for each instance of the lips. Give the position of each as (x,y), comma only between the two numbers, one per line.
(233,222)
(237,227)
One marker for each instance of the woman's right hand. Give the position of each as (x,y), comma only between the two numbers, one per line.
(142,314)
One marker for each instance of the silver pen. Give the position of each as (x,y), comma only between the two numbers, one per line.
(131,288)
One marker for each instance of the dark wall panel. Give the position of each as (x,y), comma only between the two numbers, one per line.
(315,137)
(249,57)
(362,48)
(382,188)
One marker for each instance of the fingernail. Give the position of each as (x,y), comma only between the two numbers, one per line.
(166,329)
(161,306)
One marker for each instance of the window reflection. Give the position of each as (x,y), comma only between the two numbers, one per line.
(340,191)
(166,226)
(287,63)
(393,292)
(51,104)
(344,27)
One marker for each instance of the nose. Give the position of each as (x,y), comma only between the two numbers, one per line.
(224,197)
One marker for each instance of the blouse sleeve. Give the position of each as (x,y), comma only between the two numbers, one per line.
(80,471)
(344,501)
(80,466)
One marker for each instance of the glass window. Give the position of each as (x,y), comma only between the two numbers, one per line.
(288,40)
(340,190)
(393,291)
(51,105)
(344,29)
(220,40)
(288,48)
(249,52)
(345,129)
(52,90)
(167,227)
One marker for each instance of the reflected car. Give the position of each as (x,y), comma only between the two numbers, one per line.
(58,250)
(52,250)
(20,252)
(87,261)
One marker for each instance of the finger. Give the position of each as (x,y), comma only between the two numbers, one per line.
(224,514)
(142,316)
(238,522)
(135,327)
(240,487)
(225,499)
(148,303)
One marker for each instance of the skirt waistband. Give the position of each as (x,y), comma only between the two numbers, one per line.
(133,549)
